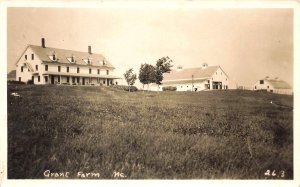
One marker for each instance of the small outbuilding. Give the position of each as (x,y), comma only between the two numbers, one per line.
(11,76)
(273,85)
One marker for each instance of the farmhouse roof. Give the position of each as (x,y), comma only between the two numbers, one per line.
(197,73)
(278,84)
(63,55)
(11,74)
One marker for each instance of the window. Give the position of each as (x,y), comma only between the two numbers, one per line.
(72,59)
(46,79)
(22,68)
(90,71)
(68,79)
(77,79)
(208,81)
(32,78)
(261,82)
(36,67)
(103,81)
(58,68)
(19,79)
(78,70)
(226,79)
(39,78)
(28,69)
(267,86)
(255,87)
(25,57)
(67,69)
(46,67)
(98,71)
(58,79)
(73,79)
(89,61)
(32,56)
(107,72)
(216,73)
(54,57)
(181,86)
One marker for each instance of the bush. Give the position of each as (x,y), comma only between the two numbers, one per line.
(169,88)
(124,87)
(15,82)
(30,82)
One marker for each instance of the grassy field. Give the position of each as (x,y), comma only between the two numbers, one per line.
(147,135)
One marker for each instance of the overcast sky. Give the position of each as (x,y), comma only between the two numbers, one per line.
(248,44)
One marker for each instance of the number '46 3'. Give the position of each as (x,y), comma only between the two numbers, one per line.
(273,173)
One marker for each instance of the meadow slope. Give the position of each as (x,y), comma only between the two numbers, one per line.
(225,134)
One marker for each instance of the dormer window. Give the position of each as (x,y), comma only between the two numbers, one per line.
(71,59)
(103,62)
(88,61)
(53,57)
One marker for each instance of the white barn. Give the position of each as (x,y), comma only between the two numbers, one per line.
(273,85)
(47,65)
(196,79)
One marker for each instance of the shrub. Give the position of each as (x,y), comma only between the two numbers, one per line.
(30,82)
(124,87)
(169,88)
(15,82)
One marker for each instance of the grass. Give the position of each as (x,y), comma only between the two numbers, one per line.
(146,135)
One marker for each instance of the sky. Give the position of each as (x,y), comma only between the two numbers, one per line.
(248,44)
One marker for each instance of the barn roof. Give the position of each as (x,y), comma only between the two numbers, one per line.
(198,73)
(64,54)
(278,84)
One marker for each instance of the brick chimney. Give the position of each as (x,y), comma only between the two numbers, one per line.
(43,43)
(90,49)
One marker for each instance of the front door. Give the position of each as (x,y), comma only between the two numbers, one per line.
(83,81)
(107,82)
(52,79)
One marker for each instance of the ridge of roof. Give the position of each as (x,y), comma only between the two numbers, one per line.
(198,72)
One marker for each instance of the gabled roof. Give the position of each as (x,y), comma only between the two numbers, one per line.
(197,73)
(278,84)
(11,74)
(63,55)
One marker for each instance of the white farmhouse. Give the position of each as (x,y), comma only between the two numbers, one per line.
(273,85)
(196,79)
(47,65)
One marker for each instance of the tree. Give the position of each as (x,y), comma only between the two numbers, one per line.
(130,77)
(163,65)
(147,74)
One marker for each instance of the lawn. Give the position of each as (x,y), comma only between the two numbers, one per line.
(70,131)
